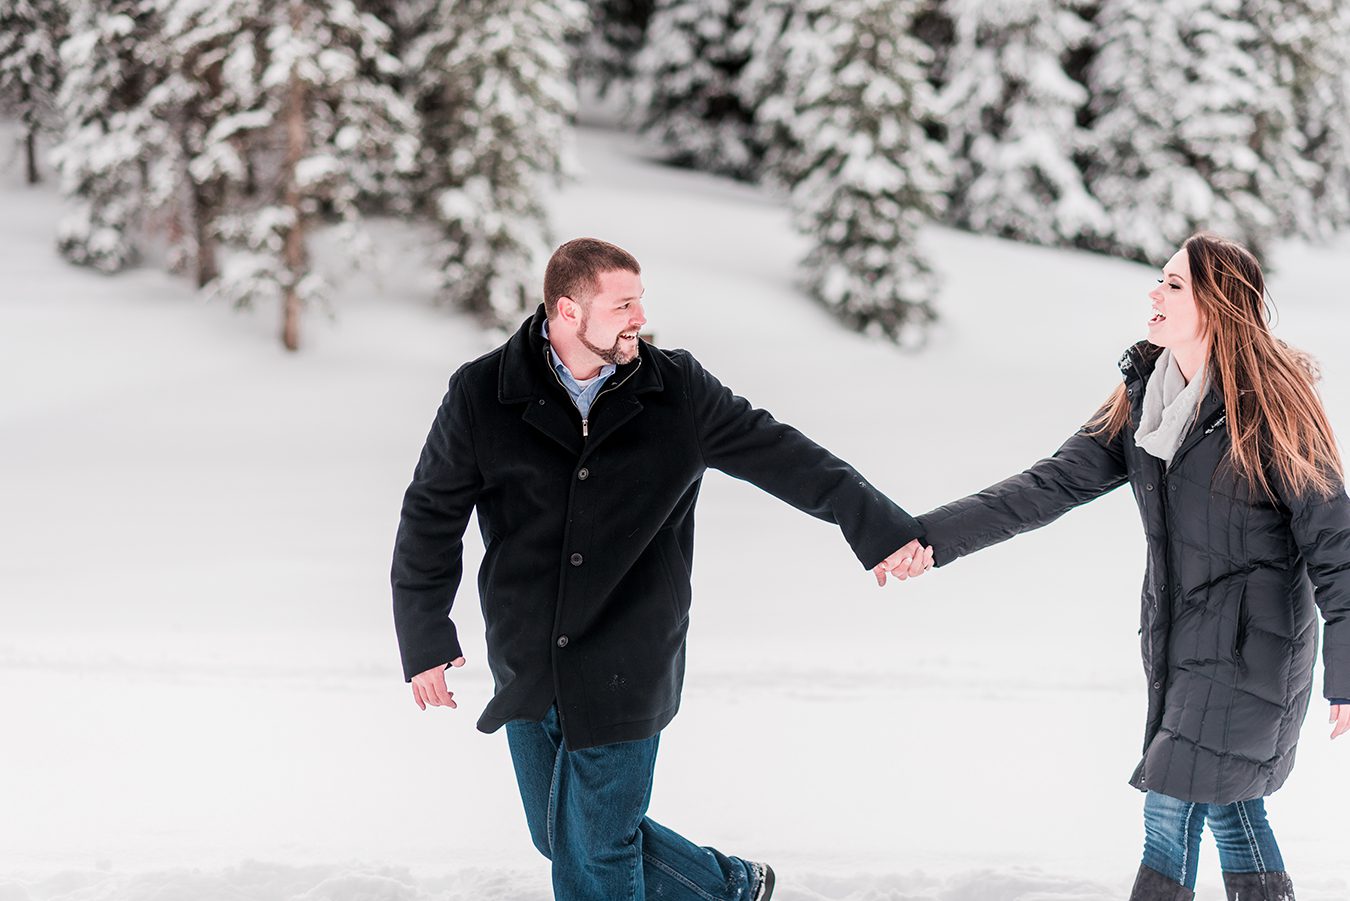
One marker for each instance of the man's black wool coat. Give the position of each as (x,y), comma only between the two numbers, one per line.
(589,540)
(1228,628)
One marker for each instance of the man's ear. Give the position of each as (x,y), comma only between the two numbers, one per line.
(569,309)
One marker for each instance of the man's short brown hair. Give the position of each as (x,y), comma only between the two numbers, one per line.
(574,270)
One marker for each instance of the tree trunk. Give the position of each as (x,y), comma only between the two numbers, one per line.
(30,143)
(207,200)
(294,250)
(178,259)
(30,134)
(204,205)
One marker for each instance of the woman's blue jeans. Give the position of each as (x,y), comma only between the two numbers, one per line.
(1172,837)
(587,813)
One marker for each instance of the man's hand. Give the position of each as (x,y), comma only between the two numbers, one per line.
(911,560)
(1340,718)
(429,687)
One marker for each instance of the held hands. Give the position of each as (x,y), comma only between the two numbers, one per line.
(429,687)
(1340,719)
(910,561)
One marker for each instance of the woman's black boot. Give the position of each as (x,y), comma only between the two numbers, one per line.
(1150,885)
(1258,886)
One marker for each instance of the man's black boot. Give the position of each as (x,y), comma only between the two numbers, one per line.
(763,887)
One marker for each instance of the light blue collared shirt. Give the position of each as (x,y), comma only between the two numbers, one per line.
(582,395)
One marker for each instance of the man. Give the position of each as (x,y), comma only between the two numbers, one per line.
(583,449)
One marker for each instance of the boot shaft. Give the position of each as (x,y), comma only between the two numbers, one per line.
(1258,886)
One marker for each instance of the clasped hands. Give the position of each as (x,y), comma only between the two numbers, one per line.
(908,562)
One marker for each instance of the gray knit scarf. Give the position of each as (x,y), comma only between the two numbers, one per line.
(1170,405)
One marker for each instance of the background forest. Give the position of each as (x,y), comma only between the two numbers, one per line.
(222,133)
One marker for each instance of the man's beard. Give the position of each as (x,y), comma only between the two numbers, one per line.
(615,355)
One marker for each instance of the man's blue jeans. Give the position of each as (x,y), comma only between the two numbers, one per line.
(587,812)
(1172,837)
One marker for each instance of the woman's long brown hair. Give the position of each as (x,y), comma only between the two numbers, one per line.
(1276,423)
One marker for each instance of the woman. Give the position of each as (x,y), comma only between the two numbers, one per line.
(1220,433)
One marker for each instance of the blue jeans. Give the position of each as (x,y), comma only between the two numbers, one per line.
(587,812)
(1172,837)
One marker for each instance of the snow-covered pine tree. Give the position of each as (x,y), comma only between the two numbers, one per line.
(1189,127)
(686,90)
(869,175)
(780,46)
(935,27)
(492,87)
(339,136)
(1305,44)
(1012,121)
(617,33)
(31,32)
(1328,133)
(112,58)
(197,117)
(408,21)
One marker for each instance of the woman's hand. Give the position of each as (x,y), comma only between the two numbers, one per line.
(1340,718)
(910,562)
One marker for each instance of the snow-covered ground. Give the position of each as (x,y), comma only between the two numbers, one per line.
(199,689)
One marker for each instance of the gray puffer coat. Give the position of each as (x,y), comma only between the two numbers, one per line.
(1228,628)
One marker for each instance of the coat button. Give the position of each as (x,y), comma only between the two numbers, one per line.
(1171,486)
(1148,487)
(583,473)
(577,559)
(541,401)
(1156,685)
(562,641)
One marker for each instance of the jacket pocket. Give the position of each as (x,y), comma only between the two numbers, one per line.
(1240,630)
(487,572)
(677,574)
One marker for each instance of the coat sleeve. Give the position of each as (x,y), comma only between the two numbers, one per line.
(1083,469)
(1321,529)
(749,444)
(429,548)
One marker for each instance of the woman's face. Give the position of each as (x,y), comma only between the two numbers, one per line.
(1176,319)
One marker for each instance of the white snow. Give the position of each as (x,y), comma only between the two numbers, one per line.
(200,694)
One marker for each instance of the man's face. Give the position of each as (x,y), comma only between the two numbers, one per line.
(612,318)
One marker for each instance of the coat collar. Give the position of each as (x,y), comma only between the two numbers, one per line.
(525,372)
(1138,361)
(1137,364)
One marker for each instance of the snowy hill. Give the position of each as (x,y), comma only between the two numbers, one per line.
(199,689)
